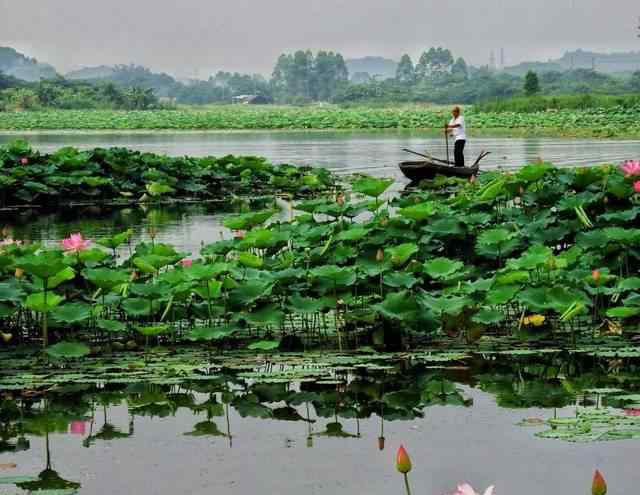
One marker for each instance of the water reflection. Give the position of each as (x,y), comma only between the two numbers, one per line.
(352,402)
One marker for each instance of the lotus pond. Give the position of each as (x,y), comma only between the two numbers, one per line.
(445,307)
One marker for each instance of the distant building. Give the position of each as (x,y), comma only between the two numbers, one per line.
(251,100)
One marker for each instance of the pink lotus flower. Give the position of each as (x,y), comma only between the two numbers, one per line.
(77,428)
(24,161)
(632,411)
(239,234)
(75,243)
(636,186)
(10,242)
(631,167)
(466,489)
(186,263)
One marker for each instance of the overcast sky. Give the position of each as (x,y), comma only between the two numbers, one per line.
(185,36)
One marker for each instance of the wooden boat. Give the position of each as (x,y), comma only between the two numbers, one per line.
(428,168)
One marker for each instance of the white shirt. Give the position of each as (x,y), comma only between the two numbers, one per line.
(459,132)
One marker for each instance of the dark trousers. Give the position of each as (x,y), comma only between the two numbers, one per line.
(458,152)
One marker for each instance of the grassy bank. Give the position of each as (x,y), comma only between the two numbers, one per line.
(615,121)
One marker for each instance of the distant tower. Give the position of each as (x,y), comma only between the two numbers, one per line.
(502,64)
(492,60)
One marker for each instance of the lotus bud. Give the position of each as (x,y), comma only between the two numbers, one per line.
(134,275)
(606,200)
(472,179)
(416,200)
(152,232)
(521,190)
(636,186)
(381,443)
(6,231)
(19,273)
(384,222)
(403,463)
(309,441)
(599,486)
(380,255)
(340,198)
(24,161)
(595,274)
(6,337)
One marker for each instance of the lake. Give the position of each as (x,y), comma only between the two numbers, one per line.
(317,424)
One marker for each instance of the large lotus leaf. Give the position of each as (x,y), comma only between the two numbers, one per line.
(399,306)
(452,305)
(106,278)
(512,277)
(116,240)
(92,256)
(442,268)
(72,312)
(631,283)
(199,271)
(560,298)
(62,276)
(248,220)
(352,234)
(501,294)
(533,257)
(623,312)
(209,333)
(632,299)
(68,350)
(264,345)
(262,239)
(151,263)
(43,265)
(343,277)
(488,316)
(151,290)
(401,254)
(371,186)
(157,189)
(137,307)
(249,291)
(399,280)
(246,258)
(212,290)
(419,212)
(10,292)
(270,314)
(152,330)
(38,302)
(445,226)
(534,172)
(111,326)
(305,305)
(492,190)
(495,237)
(534,298)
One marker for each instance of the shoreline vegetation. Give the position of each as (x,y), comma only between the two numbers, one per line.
(616,121)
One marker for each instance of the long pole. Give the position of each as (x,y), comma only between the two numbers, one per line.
(446,139)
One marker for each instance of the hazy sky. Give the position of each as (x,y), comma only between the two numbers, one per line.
(182,36)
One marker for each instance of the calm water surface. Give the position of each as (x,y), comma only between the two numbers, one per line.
(237,435)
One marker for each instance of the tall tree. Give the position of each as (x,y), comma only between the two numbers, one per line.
(531,83)
(460,70)
(405,72)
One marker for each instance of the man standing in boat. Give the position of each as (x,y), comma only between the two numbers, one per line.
(457,130)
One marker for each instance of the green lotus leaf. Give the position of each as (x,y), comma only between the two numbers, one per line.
(152,330)
(10,292)
(250,291)
(106,278)
(248,220)
(116,240)
(534,172)
(445,226)
(399,280)
(249,259)
(501,294)
(402,399)
(353,234)
(44,265)
(371,186)
(270,314)
(623,312)
(532,258)
(488,316)
(209,333)
(401,254)
(343,277)
(137,307)
(92,256)
(212,290)
(398,306)
(68,350)
(72,312)
(158,189)
(38,302)
(305,305)
(264,345)
(452,305)
(442,268)
(631,283)
(111,326)
(419,212)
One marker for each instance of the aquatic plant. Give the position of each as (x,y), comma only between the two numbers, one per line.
(403,465)
(466,489)
(599,485)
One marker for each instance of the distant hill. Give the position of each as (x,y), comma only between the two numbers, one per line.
(374,66)
(13,63)
(89,73)
(609,63)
